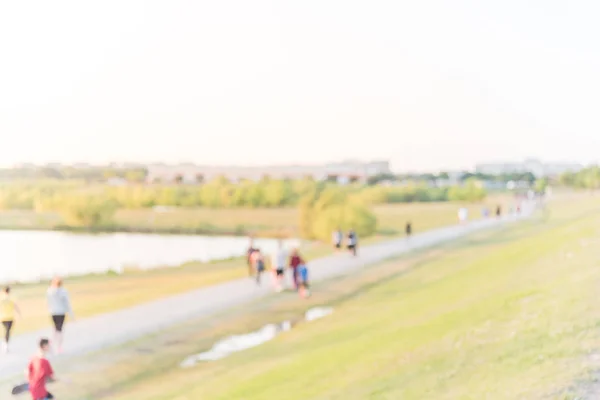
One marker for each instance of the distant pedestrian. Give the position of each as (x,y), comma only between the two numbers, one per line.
(498,211)
(251,249)
(59,305)
(408,229)
(9,310)
(352,242)
(278,265)
(39,372)
(303,284)
(463,214)
(338,236)
(257,262)
(295,262)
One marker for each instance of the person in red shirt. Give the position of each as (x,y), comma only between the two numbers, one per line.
(39,372)
(295,262)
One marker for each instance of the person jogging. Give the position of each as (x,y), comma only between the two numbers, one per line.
(59,305)
(249,252)
(295,262)
(338,236)
(8,311)
(257,263)
(39,372)
(278,264)
(352,242)
(303,285)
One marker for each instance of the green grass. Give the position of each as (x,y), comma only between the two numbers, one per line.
(505,315)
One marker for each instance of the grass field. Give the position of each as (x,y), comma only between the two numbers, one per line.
(104,293)
(510,314)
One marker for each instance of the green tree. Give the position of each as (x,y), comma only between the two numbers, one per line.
(471,191)
(88,211)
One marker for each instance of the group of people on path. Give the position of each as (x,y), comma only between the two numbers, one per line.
(280,261)
(39,370)
(351,240)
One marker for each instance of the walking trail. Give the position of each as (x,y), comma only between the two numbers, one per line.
(118,327)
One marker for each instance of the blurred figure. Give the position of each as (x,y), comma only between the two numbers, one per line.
(257,263)
(59,305)
(352,242)
(338,236)
(295,262)
(498,211)
(408,229)
(278,264)
(9,310)
(303,285)
(463,214)
(39,372)
(485,213)
(249,252)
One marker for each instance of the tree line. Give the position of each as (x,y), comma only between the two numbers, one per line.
(322,203)
(587,178)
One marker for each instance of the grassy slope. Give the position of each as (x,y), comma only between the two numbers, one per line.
(104,293)
(504,316)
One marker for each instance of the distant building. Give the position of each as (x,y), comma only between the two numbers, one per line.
(536,167)
(342,172)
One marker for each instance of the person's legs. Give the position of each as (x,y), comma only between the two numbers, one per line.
(58,321)
(295,277)
(7,328)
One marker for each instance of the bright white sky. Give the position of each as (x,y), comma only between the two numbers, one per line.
(426,84)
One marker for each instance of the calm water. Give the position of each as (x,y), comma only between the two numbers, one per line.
(32,255)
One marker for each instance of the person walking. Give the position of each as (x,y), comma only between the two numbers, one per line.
(39,372)
(338,236)
(303,285)
(249,252)
(257,262)
(278,265)
(352,242)
(295,262)
(8,311)
(59,305)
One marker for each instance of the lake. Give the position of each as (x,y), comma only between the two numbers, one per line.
(27,256)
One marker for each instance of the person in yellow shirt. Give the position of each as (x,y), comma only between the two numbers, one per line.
(8,311)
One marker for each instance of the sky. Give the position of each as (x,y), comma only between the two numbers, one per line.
(428,85)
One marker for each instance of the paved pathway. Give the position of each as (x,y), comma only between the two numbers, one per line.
(121,326)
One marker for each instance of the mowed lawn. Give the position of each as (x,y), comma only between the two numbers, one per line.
(511,314)
(98,294)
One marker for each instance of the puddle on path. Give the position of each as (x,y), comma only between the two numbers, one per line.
(235,343)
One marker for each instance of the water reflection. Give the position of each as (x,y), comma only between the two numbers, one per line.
(33,255)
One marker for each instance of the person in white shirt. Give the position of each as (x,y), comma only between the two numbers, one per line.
(338,236)
(59,305)
(279,261)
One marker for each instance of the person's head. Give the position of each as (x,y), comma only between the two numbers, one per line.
(6,290)
(56,282)
(295,251)
(44,345)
